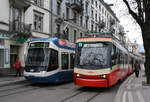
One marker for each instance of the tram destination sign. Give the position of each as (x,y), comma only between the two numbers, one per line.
(39,44)
(90,45)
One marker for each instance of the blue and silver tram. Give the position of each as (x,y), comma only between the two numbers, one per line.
(49,60)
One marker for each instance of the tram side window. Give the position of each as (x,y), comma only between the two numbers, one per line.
(126,59)
(113,55)
(121,57)
(53,60)
(72,57)
(64,60)
(118,56)
(132,60)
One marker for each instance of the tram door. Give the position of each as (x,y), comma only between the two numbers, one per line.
(14,51)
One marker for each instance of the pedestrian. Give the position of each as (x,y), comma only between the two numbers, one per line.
(137,68)
(17,66)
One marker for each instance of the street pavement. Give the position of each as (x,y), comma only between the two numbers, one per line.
(133,89)
(10,79)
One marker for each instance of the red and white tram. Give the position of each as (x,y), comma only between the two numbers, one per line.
(101,62)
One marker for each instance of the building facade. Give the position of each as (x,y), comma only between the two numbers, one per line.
(68,19)
(22,20)
(74,18)
(13,32)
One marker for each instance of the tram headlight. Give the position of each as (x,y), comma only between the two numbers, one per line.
(79,75)
(103,76)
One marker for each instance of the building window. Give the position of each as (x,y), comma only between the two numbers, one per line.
(75,17)
(38,22)
(92,14)
(39,2)
(57,30)
(100,7)
(1,58)
(81,34)
(86,6)
(86,23)
(99,19)
(81,19)
(92,1)
(96,16)
(92,27)
(96,3)
(67,13)
(64,60)
(67,34)
(16,19)
(75,32)
(95,28)
(58,8)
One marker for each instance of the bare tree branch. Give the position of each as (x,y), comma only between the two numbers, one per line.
(134,15)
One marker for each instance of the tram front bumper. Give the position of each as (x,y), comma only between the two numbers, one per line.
(91,82)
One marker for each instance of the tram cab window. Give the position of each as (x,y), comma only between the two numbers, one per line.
(64,60)
(72,57)
(53,64)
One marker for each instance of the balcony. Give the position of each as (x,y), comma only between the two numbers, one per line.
(20,3)
(20,28)
(77,6)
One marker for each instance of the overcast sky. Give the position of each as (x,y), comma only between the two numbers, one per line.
(131,28)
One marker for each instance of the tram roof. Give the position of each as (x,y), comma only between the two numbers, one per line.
(43,39)
(102,37)
(58,42)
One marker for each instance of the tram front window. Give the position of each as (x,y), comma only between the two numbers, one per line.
(37,59)
(93,55)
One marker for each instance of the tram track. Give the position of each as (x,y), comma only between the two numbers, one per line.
(17,92)
(14,88)
(17,89)
(76,94)
(92,97)
(84,91)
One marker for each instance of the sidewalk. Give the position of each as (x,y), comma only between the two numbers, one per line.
(10,79)
(133,90)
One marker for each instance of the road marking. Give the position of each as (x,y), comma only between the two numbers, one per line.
(140,97)
(130,97)
(124,96)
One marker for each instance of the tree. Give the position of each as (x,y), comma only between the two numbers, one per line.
(141,14)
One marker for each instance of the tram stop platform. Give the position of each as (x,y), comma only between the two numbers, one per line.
(134,89)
